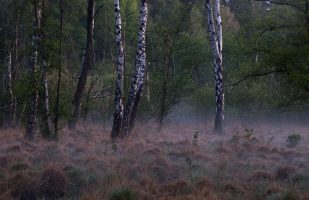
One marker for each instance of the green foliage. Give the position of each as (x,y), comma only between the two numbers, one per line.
(265,56)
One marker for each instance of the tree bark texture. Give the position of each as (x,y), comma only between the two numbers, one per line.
(139,72)
(216,42)
(118,101)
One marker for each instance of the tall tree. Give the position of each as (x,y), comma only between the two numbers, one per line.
(118,113)
(34,66)
(87,65)
(139,72)
(56,119)
(15,69)
(216,42)
(47,129)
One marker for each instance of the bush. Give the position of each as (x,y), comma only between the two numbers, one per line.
(123,194)
(78,180)
(19,167)
(285,172)
(293,140)
(53,183)
(24,187)
(292,195)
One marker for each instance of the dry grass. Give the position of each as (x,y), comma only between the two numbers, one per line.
(248,162)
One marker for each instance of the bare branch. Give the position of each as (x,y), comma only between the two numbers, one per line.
(284,3)
(252,75)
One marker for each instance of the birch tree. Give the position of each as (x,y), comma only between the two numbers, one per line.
(34,67)
(47,129)
(215,33)
(87,65)
(118,113)
(139,72)
(10,90)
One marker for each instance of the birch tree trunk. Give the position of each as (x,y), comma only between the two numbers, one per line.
(87,65)
(47,129)
(46,119)
(118,113)
(33,104)
(139,72)
(9,84)
(216,42)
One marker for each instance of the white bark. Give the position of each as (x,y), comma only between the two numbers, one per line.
(118,113)
(216,42)
(139,71)
(218,22)
(10,81)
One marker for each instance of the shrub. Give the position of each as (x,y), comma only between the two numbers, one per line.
(293,140)
(19,166)
(175,188)
(53,183)
(77,181)
(2,174)
(285,172)
(24,187)
(291,195)
(261,176)
(123,194)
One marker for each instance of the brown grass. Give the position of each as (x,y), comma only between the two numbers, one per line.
(161,165)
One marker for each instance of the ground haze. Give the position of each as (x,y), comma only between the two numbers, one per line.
(182,161)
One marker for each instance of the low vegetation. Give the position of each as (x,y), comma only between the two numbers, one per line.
(177,162)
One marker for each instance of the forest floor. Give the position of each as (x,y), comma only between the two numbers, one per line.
(256,161)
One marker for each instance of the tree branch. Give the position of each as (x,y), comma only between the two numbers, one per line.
(252,75)
(283,3)
(272,28)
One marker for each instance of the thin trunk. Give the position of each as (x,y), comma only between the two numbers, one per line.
(59,71)
(33,104)
(139,72)
(215,34)
(118,113)
(88,100)
(166,77)
(47,130)
(87,65)
(9,84)
(307,14)
(46,119)
(15,69)
(163,99)
(16,55)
